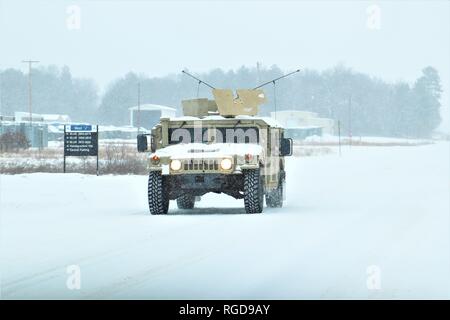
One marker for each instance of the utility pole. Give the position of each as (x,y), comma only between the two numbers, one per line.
(339,136)
(30,109)
(258,72)
(139,108)
(350,119)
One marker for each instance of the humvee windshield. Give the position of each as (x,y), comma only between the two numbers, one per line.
(214,135)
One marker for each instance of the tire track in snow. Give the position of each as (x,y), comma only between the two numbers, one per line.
(13,286)
(229,244)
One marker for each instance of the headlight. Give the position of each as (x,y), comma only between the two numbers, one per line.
(226,164)
(175,165)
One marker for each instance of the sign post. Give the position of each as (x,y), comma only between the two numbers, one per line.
(80,140)
(64,165)
(97,150)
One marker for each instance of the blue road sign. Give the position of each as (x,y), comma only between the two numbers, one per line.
(81,127)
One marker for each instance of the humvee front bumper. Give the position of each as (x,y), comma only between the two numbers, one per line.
(201,183)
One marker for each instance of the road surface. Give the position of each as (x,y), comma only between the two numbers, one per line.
(373,223)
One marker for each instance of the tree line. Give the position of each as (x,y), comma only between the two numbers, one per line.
(369,105)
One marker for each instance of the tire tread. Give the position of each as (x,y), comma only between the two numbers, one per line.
(158,200)
(253,194)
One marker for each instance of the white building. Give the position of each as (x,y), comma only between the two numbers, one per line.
(55,119)
(20,116)
(149,115)
(303,123)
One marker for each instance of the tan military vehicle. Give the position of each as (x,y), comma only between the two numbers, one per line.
(219,146)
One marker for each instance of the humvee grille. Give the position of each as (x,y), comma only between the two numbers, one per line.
(201,165)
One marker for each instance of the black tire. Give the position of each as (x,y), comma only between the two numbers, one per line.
(186,201)
(253,191)
(158,199)
(274,198)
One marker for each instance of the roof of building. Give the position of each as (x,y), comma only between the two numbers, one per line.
(120,128)
(298,112)
(304,127)
(26,114)
(150,106)
(43,117)
(56,117)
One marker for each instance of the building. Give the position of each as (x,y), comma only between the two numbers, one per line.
(149,115)
(43,127)
(56,119)
(21,116)
(36,133)
(301,124)
(7,118)
(51,119)
(123,132)
(53,122)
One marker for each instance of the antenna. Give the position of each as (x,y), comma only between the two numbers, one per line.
(199,81)
(274,88)
(275,99)
(276,79)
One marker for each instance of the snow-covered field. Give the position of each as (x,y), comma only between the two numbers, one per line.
(363,140)
(373,223)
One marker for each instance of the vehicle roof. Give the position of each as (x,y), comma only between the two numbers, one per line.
(270,121)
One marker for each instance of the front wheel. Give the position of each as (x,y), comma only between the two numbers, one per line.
(253,191)
(158,199)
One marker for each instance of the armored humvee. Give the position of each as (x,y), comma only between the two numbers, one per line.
(220,146)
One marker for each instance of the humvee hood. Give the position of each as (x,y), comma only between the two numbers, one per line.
(200,150)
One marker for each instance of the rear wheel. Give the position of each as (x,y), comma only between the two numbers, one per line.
(186,201)
(274,198)
(253,191)
(158,199)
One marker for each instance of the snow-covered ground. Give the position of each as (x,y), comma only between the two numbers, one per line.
(369,140)
(375,215)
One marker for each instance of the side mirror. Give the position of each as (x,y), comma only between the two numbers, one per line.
(142,145)
(286,147)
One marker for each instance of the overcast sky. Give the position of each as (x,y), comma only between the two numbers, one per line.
(158,38)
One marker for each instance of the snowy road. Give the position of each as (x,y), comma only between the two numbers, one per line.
(386,207)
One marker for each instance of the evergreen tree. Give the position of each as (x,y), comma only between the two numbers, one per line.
(427,93)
